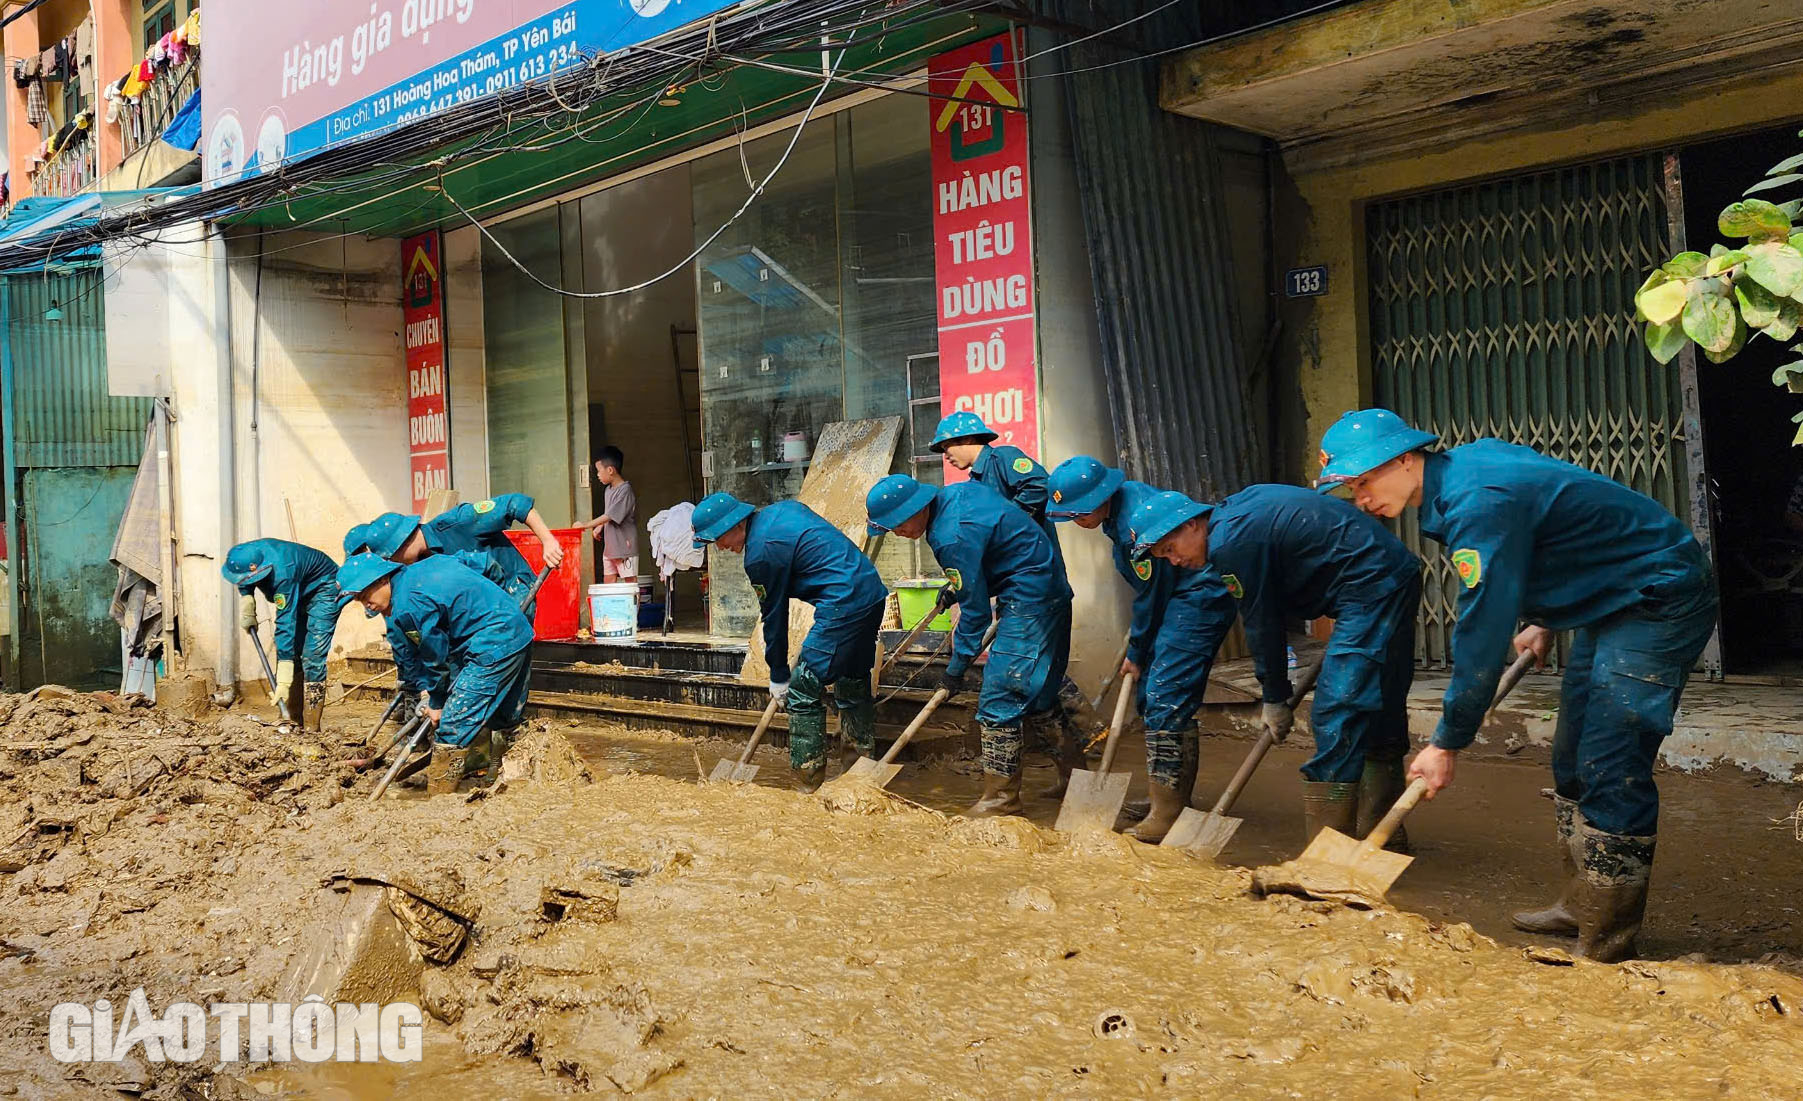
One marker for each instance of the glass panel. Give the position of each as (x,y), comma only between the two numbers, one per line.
(528,388)
(768,295)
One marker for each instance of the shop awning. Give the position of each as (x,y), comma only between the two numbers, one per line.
(43,219)
(1378,79)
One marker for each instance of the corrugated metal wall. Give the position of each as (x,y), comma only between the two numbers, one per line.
(1161,260)
(64,415)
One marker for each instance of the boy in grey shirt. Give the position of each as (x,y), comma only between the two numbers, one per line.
(617,528)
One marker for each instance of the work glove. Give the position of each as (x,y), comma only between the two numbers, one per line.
(247,611)
(284,679)
(952,683)
(947,597)
(1279,719)
(407,703)
(779,691)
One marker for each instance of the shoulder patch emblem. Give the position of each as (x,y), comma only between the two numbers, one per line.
(1470,566)
(485,506)
(956,579)
(1325,457)
(412,636)
(1142,569)
(1023,465)
(1058,495)
(1233,586)
(758,589)
(281,601)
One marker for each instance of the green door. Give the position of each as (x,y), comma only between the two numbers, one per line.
(69,518)
(1506,309)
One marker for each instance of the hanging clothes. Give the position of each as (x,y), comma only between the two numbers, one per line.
(37,105)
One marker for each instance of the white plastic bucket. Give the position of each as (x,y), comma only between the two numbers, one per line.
(614,610)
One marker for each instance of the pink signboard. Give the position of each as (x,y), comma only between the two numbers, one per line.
(983,250)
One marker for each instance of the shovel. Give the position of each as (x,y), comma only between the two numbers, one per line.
(1360,873)
(1206,834)
(865,771)
(419,727)
(281,706)
(939,605)
(1114,674)
(1093,800)
(743,771)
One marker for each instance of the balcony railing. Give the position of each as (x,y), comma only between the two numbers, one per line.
(144,121)
(69,170)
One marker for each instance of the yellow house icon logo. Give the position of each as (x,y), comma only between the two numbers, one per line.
(954,117)
(421,280)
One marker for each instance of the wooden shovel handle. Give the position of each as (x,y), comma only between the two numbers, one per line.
(1114,673)
(932,705)
(1510,678)
(1380,834)
(1301,688)
(1120,721)
(757,735)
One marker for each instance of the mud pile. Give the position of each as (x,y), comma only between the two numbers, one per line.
(633,933)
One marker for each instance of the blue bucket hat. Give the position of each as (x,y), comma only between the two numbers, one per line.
(356,539)
(1360,442)
(895,500)
(244,566)
(1080,485)
(960,426)
(360,571)
(1158,517)
(387,533)
(716,515)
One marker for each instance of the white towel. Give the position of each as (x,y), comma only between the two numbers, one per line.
(673,541)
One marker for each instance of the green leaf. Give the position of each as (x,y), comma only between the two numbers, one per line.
(1796,240)
(1776,266)
(1786,165)
(1664,302)
(1728,259)
(1758,306)
(1774,182)
(1797,440)
(1793,209)
(1665,341)
(1738,340)
(1686,265)
(1755,218)
(1790,376)
(1790,317)
(1710,319)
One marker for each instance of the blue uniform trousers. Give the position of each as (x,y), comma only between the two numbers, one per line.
(1623,677)
(1026,665)
(486,696)
(1361,700)
(839,651)
(1171,688)
(318,623)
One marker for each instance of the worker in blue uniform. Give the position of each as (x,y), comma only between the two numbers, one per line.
(1562,548)
(791,553)
(1180,617)
(991,550)
(479,526)
(470,642)
(302,584)
(1285,553)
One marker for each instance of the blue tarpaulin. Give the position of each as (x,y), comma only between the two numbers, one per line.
(183,131)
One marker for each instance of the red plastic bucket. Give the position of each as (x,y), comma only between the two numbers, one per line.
(559,600)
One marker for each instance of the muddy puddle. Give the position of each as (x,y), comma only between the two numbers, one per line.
(598,925)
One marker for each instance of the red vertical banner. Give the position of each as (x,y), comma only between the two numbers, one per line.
(983,246)
(422,317)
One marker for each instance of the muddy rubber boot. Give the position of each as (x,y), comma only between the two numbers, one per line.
(1001,795)
(808,780)
(457,764)
(1610,901)
(1169,802)
(1557,920)
(1330,805)
(1380,785)
(314,706)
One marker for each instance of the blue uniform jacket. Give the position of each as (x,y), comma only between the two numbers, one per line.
(301,574)
(1285,551)
(482,526)
(1007,470)
(1156,582)
(443,617)
(1538,539)
(410,676)
(791,552)
(990,549)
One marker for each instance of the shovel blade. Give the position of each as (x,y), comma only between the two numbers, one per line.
(1201,833)
(1338,868)
(728,771)
(1093,800)
(869,770)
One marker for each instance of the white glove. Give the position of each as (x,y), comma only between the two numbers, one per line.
(779,690)
(1279,719)
(247,611)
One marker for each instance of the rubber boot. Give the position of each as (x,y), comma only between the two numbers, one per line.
(314,707)
(1557,920)
(457,764)
(1614,873)
(1329,805)
(808,780)
(1001,795)
(1169,802)
(1380,785)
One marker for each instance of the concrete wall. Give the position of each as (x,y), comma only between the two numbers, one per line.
(1073,393)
